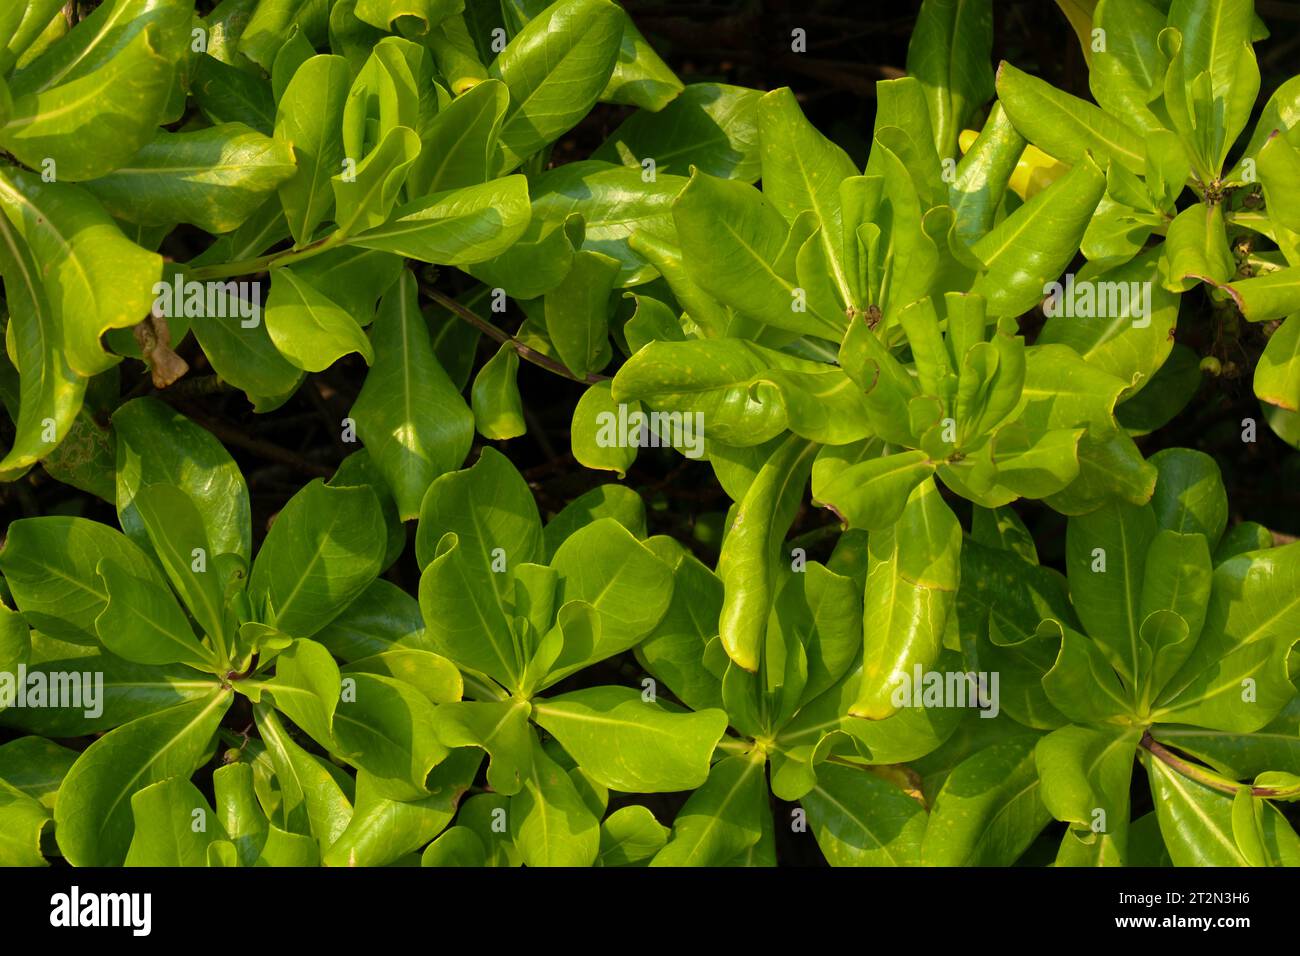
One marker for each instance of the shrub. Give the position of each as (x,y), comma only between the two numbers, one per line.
(866,649)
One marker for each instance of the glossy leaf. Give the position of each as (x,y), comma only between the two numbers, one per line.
(411,417)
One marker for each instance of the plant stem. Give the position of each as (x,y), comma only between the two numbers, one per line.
(284,257)
(1206,777)
(268,450)
(492,332)
(732,746)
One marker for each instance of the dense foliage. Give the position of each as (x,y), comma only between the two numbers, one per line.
(362,212)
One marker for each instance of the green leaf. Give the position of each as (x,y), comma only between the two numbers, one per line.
(1213,32)
(493,517)
(1085,777)
(629,745)
(458,846)
(243,353)
(308,119)
(311,800)
(296,51)
(604,501)
(21,821)
(143,622)
(615,203)
(324,549)
(549,823)
(456,50)
(621,581)
(1176,582)
(860,819)
(577,313)
(722,818)
(1175,383)
(949,54)
(1124,342)
(460,145)
(989,809)
(409,414)
(1030,247)
(1003,529)
(158,445)
(1000,609)
(1277,373)
(94,278)
(802,170)
(494,396)
(36,766)
(976,193)
(227,94)
(1236,678)
(1131,73)
(307,688)
(1064,126)
(382,831)
(1189,496)
(536,263)
(388,729)
(1272,295)
(871,494)
(50,565)
(1195,821)
(432,675)
(911,588)
(1196,248)
(640,77)
(751,551)
(129,690)
(176,532)
(364,197)
(213,178)
(25,22)
(711,126)
(745,394)
(353,279)
(172,821)
(386,14)
(1106,554)
(309,329)
(595,444)
(1240,691)
(732,240)
(93,816)
(1280,113)
(455,228)
(49,390)
(555,69)
(89,114)
(500,728)
(630,836)
(1082,683)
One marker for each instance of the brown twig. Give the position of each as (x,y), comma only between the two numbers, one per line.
(268,450)
(1203,776)
(505,338)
